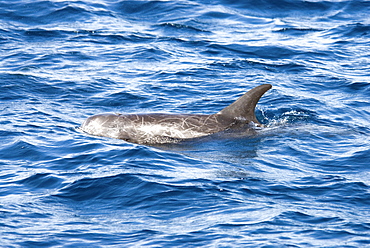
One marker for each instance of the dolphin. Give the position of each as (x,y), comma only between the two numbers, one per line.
(159,128)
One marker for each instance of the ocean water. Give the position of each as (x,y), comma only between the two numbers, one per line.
(303,181)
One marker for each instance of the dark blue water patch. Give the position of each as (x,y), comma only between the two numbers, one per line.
(267,52)
(195,44)
(137,7)
(151,54)
(284,8)
(309,219)
(23,62)
(75,55)
(357,161)
(17,59)
(359,227)
(330,235)
(20,11)
(263,65)
(357,30)
(123,100)
(22,149)
(110,188)
(297,31)
(72,163)
(104,38)
(123,237)
(348,9)
(41,181)
(188,78)
(47,12)
(328,82)
(11,190)
(217,14)
(194,239)
(17,86)
(11,84)
(37,35)
(297,219)
(99,155)
(351,193)
(40,243)
(319,180)
(153,10)
(132,191)
(65,60)
(173,28)
(6,37)
(184,91)
(87,93)
(67,14)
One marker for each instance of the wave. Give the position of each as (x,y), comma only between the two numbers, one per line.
(301,181)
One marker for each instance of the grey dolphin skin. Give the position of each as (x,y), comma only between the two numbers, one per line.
(168,128)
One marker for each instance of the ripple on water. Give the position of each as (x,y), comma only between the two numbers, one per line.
(302,181)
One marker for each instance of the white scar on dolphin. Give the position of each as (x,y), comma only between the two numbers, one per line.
(168,128)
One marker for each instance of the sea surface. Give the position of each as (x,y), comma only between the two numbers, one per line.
(303,181)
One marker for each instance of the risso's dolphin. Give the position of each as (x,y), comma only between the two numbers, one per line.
(168,128)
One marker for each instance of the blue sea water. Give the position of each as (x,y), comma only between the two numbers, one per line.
(303,181)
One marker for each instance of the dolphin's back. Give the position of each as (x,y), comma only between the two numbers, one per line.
(165,128)
(154,128)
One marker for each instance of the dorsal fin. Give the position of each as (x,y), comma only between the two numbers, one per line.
(245,106)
